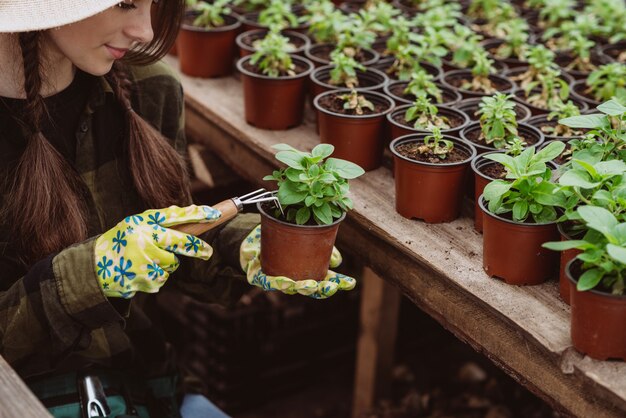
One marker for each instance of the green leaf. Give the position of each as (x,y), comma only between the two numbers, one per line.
(495,190)
(617,253)
(293,174)
(593,121)
(550,152)
(612,167)
(566,245)
(303,215)
(598,218)
(612,107)
(587,166)
(577,179)
(284,147)
(309,200)
(291,158)
(324,213)
(346,169)
(314,170)
(520,210)
(502,158)
(323,150)
(549,194)
(327,178)
(589,279)
(289,195)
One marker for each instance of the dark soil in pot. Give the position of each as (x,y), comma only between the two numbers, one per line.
(512,251)
(578,91)
(370,79)
(308,247)
(429,188)
(395,90)
(491,45)
(513,73)
(399,127)
(470,107)
(356,138)
(484,171)
(564,60)
(598,320)
(320,55)
(616,52)
(274,103)
(448,65)
(207,53)
(385,66)
(541,122)
(351,6)
(455,79)
(528,134)
(245,41)
(520,97)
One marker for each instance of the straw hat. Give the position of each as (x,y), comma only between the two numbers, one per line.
(29,15)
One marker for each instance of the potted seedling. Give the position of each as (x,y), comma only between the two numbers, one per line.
(519,215)
(554,12)
(274,84)
(578,59)
(206,41)
(545,93)
(423,116)
(247,41)
(540,61)
(245,6)
(513,46)
(278,14)
(597,277)
(552,129)
(297,239)
(498,125)
(481,80)
(602,84)
(354,122)
(345,72)
(405,92)
(429,175)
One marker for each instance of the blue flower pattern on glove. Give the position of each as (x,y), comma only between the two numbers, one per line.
(156,220)
(104,267)
(119,241)
(123,271)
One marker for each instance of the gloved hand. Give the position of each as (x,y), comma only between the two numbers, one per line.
(249,258)
(138,254)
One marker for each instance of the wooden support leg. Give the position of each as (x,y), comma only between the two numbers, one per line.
(380,303)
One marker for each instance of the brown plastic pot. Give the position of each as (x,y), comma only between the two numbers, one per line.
(245,41)
(448,80)
(614,51)
(398,129)
(542,120)
(480,181)
(357,138)
(370,79)
(598,320)
(300,252)
(565,286)
(577,91)
(512,250)
(470,106)
(207,52)
(564,59)
(533,135)
(395,90)
(319,54)
(274,103)
(427,191)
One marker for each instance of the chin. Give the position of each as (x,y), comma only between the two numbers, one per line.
(97,69)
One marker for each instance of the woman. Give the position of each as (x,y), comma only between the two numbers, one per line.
(91,137)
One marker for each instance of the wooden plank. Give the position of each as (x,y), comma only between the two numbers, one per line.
(523,329)
(16,400)
(380,305)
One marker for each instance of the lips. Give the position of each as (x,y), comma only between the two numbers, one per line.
(116,53)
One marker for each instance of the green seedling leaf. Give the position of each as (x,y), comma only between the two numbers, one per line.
(566,245)
(612,108)
(494,190)
(289,195)
(549,153)
(612,167)
(593,121)
(291,158)
(323,213)
(303,215)
(322,150)
(345,169)
(617,253)
(599,219)
(589,279)
(577,178)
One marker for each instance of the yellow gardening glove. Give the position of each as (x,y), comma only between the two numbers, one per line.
(138,254)
(249,258)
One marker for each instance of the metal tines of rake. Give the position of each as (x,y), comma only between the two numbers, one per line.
(260,195)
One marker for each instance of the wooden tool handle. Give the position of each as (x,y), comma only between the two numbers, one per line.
(229,211)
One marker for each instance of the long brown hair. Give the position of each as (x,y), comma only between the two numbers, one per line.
(43,207)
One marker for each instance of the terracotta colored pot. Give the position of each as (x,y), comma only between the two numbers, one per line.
(470,106)
(299,252)
(245,40)
(512,251)
(448,80)
(565,286)
(533,136)
(357,138)
(250,21)
(398,129)
(598,320)
(563,60)
(541,120)
(385,64)
(427,191)
(480,181)
(395,89)
(274,102)
(207,53)
(577,91)
(370,79)
(520,97)
(317,52)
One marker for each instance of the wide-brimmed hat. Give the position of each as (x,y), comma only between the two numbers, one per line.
(30,15)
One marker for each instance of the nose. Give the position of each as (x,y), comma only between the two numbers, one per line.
(139,28)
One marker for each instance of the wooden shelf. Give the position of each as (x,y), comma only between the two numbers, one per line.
(525,330)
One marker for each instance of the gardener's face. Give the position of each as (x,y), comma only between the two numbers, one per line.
(95,43)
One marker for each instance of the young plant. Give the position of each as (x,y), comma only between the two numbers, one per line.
(443,16)
(379,17)
(551,90)
(252,5)
(580,47)
(356,102)
(435,145)
(526,192)
(313,187)
(515,39)
(603,251)
(344,70)
(325,21)
(278,15)
(353,37)
(608,81)
(498,120)
(481,70)
(515,147)
(463,43)
(554,12)
(208,15)
(272,57)
(406,62)
(564,110)
(422,83)
(425,115)
(540,60)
